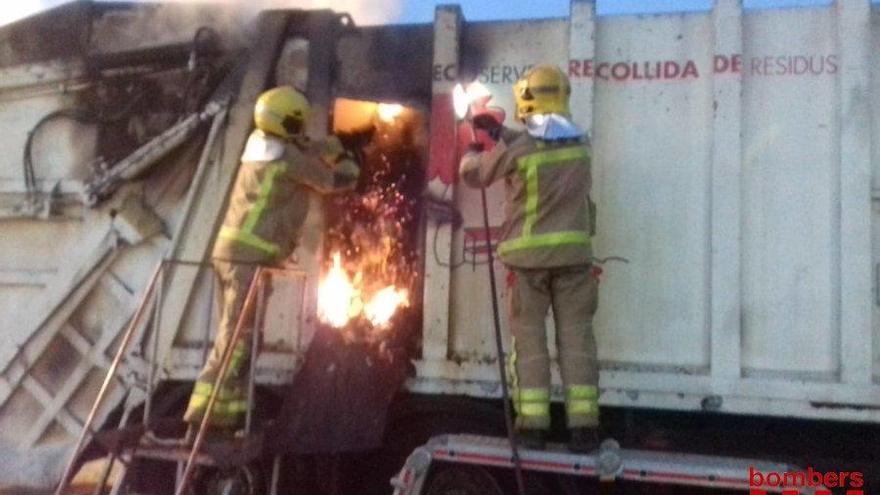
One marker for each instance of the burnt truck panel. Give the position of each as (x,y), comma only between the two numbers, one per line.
(378,63)
(126,26)
(41,38)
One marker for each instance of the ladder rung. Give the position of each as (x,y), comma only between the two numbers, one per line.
(232,452)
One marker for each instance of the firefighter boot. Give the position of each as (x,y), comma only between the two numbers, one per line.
(583,440)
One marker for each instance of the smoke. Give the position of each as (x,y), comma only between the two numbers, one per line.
(364,12)
(174,21)
(239,13)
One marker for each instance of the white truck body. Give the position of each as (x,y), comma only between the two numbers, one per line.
(733,168)
(735,165)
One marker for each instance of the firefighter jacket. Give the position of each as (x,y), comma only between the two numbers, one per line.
(270,199)
(548,214)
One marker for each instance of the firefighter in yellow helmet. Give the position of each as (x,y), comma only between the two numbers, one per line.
(545,243)
(267,207)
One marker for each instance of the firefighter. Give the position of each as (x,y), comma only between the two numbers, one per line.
(266,210)
(545,244)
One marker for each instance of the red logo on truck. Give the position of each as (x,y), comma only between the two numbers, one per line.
(762,483)
(664,70)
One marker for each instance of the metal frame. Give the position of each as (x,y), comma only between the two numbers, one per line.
(95,273)
(714,472)
(153,298)
(17,375)
(111,372)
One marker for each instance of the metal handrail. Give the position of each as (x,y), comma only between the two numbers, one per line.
(256,292)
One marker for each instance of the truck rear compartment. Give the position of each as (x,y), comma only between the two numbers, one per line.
(733,167)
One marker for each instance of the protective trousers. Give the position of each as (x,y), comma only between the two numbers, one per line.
(573,294)
(230,407)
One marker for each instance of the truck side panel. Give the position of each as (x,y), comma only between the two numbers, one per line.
(731,163)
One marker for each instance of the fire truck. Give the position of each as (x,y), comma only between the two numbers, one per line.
(736,182)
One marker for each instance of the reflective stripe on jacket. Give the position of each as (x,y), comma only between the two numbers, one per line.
(270,199)
(547,214)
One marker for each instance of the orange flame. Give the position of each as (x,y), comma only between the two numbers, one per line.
(336,295)
(340,299)
(382,306)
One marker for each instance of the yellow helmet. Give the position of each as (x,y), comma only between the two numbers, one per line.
(282,111)
(543,89)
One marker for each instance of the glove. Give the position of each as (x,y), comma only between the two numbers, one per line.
(346,175)
(488,123)
(475,147)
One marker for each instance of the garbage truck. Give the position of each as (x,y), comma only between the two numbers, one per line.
(736,178)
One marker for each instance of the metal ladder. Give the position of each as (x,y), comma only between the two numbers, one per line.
(129,442)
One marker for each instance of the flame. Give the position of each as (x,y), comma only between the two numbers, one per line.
(336,295)
(382,306)
(388,111)
(370,233)
(340,299)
